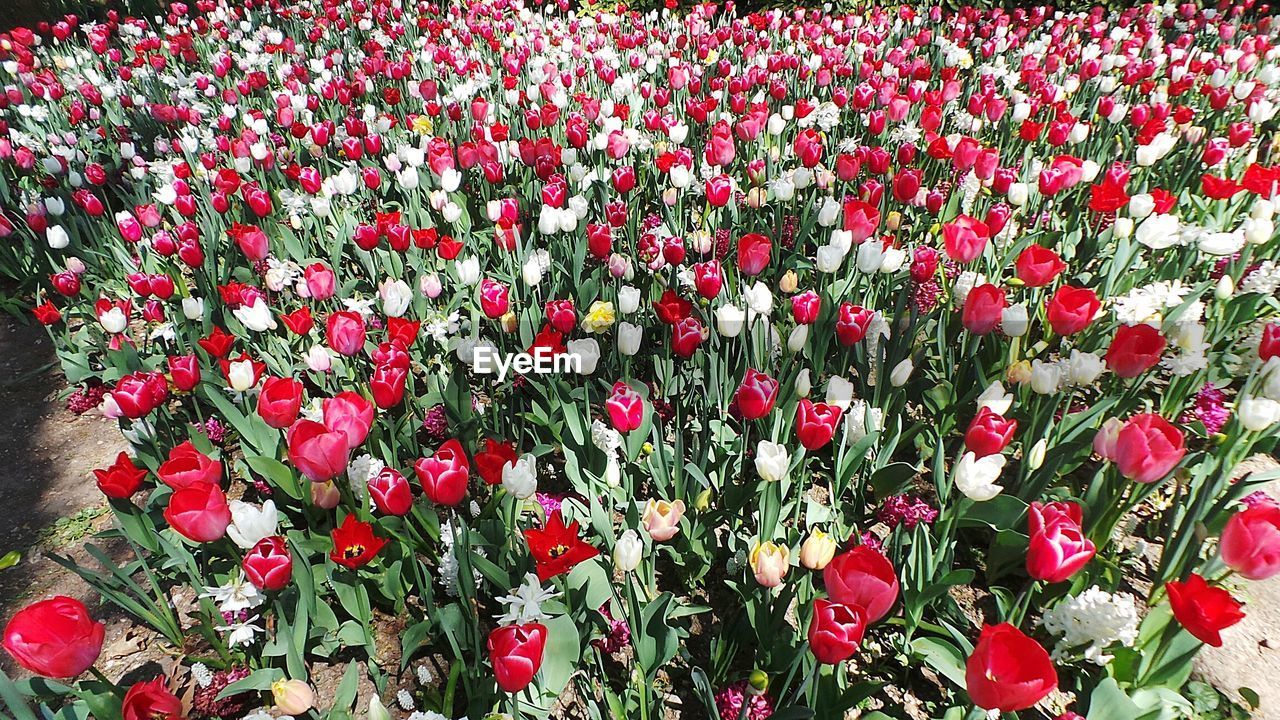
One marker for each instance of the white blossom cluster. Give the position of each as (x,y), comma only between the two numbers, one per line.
(1094,620)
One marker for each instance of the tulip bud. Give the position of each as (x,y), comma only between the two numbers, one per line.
(377,711)
(509,322)
(790,282)
(817,550)
(703,502)
(758,682)
(627,551)
(1225,288)
(1035,458)
(803,385)
(292,697)
(770,563)
(325,495)
(901,373)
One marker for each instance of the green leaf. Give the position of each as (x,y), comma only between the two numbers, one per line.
(11,558)
(892,478)
(942,656)
(1109,702)
(259,680)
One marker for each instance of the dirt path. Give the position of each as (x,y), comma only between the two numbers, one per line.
(46,458)
(1250,653)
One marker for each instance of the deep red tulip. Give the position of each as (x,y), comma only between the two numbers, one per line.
(444,475)
(1008,671)
(1205,611)
(54,638)
(835,631)
(516,654)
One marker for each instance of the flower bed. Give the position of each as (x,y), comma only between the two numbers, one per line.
(563,364)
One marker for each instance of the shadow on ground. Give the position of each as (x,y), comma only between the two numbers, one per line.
(50,501)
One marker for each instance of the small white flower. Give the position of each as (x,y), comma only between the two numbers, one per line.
(524,604)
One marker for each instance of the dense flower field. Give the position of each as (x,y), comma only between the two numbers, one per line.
(564,363)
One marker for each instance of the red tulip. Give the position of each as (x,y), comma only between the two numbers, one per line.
(1008,671)
(983,308)
(860,219)
(852,323)
(187,466)
(319,453)
(494,299)
(561,315)
(354,544)
(268,565)
(138,394)
(964,238)
(495,456)
(624,179)
(816,423)
(444,475)
(516,654)
(1205,611)
(708,278)
(862,577)
(1269,346)
(122,479)
(299,321)
(1058,547)
(252,241)
(199,512)
(54,638)
(756,395)
(625,408)
(151,700)
(686,336)
(989,433)
(1071,309)
(1135,350)
(808,148)
(184,370)
(350,414)
(344,332)
(835,631)
(320,281)
(387,384)
(1251,541)
(391,492)
(1038,266)
(1147,448)
(671,308)
(753,253)
(805,307)
(280,401)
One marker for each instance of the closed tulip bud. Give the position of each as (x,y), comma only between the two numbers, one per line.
(770,563)
(901,373)
(803,385)
(509,322)
(325,495)
(790,282)
(1035,458)
(628,551)
(1014,321)
(1122,228)
(629,338)
(1225,288)
(628,300)
(817,550)
(893,221)
(377,711)
(193,308)
(772,461)
(521,477)
(758,682)
(292,697)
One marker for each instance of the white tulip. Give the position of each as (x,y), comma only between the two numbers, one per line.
(193,308)
(901,373)
(240,375)
(839,392)
(729,320)
(628,300)
(976,478)
(803,385)
(251,524)
(587,351)
(628,551)
(521,477)
(114,320)
(772,461)
(57,237)
(829,259)
(468,270)
(629,338)
(396,297)
(995,399)
(1257,413)
(1014,320)
(256,317)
